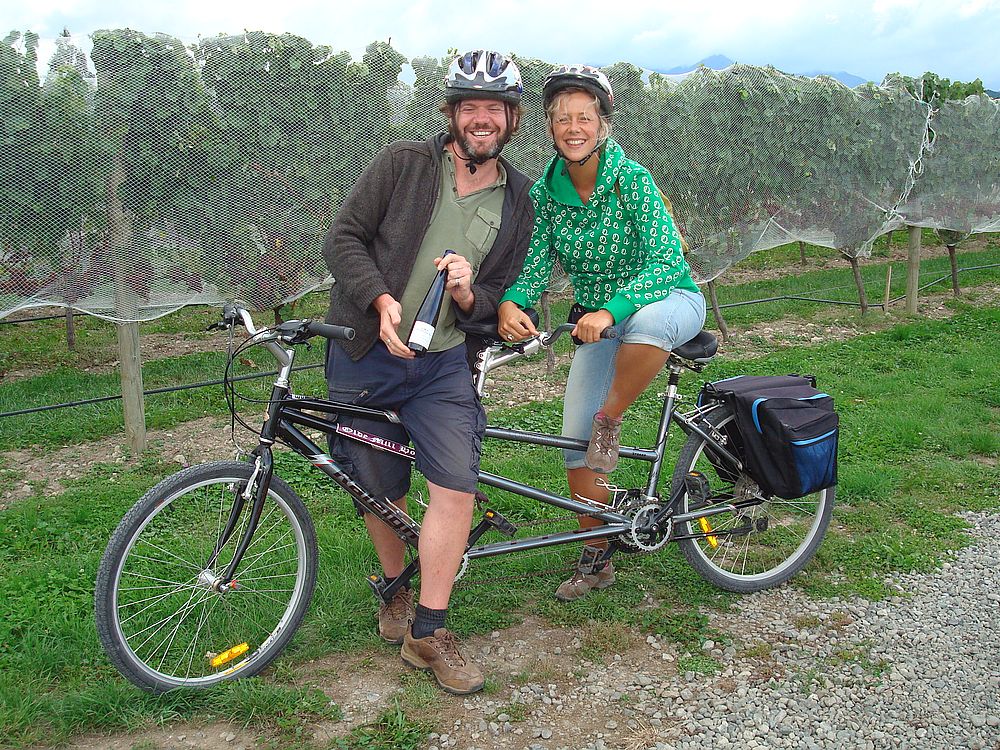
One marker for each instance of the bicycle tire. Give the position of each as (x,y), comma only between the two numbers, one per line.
(773,540)
(158,618)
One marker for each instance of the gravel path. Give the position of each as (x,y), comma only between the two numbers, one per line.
(918,670)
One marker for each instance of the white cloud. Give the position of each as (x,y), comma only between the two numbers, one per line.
(866,37)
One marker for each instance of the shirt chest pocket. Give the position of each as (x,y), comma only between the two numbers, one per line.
(481,233)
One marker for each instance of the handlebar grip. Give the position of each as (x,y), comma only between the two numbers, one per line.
(328,331)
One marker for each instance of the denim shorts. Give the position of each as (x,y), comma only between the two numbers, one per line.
(664,324)
(437,404)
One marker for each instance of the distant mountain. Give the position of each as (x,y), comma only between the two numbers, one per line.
(715,62)
(848,79)
(718,62)
(994,94)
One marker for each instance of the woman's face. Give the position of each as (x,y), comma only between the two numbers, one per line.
(576,125)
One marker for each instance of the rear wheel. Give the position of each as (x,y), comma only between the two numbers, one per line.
(160,616)
(755,547)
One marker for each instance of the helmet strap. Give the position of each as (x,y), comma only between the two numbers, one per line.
(581,162)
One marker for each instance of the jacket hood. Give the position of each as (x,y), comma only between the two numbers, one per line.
(560,186)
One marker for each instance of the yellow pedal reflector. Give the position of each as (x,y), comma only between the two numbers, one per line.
(706,528)
(229,654)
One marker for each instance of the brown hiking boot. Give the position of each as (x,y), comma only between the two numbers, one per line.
(585,578)
(439,653)
(395,617)
(602,453)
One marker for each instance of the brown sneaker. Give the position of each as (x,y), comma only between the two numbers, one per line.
(439,653)
(395,617)
(585,578)
(602,453)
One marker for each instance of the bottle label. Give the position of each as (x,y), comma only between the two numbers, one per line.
(421,334)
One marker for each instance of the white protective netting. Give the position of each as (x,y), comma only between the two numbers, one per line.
(179,175)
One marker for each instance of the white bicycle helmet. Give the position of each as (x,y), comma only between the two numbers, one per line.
(579,76)
(483,74)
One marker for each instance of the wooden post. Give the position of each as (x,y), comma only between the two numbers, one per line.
(913,270)
(126,305)
(954,271)
(888,287)
(70,329)
(802,253)
(723,328)
(133,404)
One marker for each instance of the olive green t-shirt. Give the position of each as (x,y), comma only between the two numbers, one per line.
(468,225)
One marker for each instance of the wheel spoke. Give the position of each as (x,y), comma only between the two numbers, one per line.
(759,545)
(163,617)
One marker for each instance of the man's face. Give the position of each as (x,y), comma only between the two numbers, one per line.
(480,127)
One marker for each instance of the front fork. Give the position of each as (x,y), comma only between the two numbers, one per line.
(254,492)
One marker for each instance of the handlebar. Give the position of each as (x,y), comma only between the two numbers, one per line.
(328,330)
(291,331)
(548,339)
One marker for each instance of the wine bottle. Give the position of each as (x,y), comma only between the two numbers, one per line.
(423,326)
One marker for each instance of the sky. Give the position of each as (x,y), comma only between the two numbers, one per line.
(956,39)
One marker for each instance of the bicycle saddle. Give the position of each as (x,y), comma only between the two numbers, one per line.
(699,349)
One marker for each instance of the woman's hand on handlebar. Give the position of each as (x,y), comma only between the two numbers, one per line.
(513,324)
(590,327)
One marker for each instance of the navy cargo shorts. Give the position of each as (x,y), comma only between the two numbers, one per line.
(438,406)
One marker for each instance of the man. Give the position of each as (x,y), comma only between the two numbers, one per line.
(416,200)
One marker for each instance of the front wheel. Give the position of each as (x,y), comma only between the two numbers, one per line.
(759,546)
(160,615)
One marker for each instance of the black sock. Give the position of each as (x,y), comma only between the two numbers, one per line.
(427,621)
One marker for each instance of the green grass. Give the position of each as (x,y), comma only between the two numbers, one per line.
(393,730)
(920,441)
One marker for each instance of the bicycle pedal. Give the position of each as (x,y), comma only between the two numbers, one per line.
(378,585)
(500,523)
(696,486)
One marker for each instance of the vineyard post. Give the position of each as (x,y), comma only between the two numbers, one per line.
(129,354)
(888,288)
(913,270)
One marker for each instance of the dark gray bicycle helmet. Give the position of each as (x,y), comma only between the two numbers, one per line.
(483,74)
(580,77)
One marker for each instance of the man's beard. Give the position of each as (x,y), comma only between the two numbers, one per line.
(480,157)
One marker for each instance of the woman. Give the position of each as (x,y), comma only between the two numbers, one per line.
(603,218)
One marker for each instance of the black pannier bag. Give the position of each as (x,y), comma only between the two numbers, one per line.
(786,433)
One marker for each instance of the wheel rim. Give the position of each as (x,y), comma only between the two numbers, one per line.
(763,542)
(168,617)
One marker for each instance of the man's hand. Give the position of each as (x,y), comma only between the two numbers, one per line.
(514,324)
(459,282)
(390,314)
(590,326)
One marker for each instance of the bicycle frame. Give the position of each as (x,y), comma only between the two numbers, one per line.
(287,413)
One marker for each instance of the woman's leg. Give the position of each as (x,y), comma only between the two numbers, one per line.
(649,336)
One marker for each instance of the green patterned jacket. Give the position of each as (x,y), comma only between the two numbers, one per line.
(621,250)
